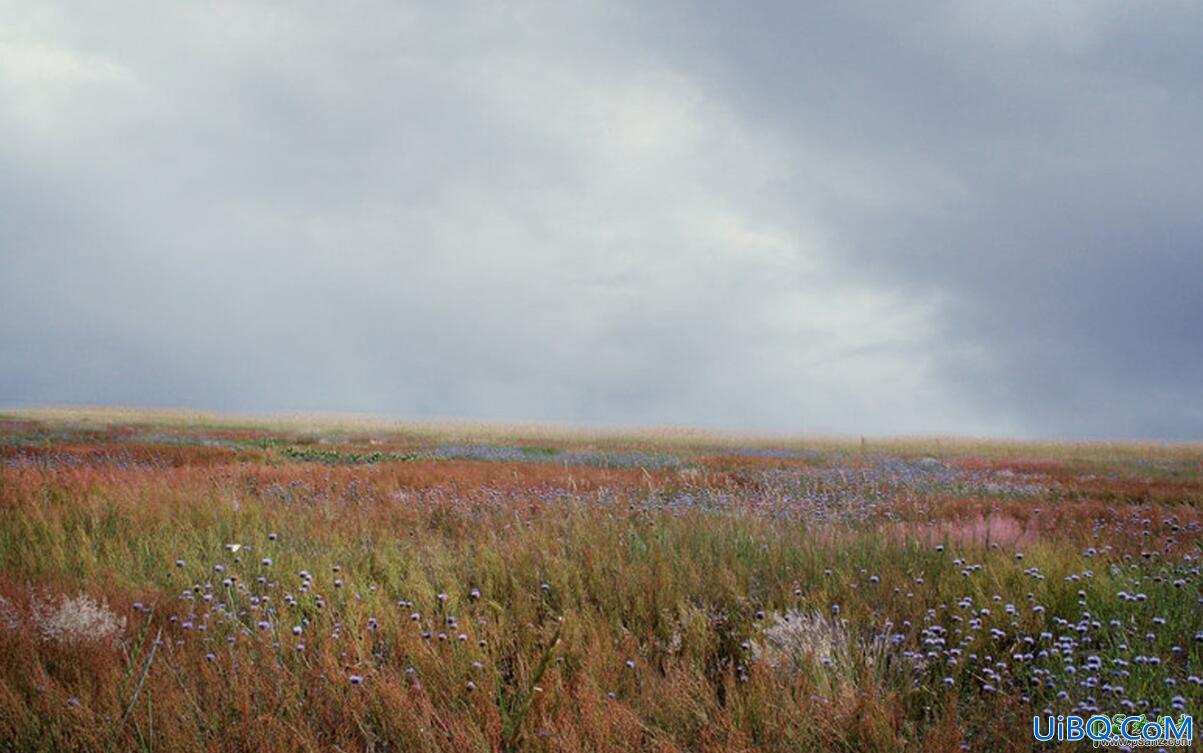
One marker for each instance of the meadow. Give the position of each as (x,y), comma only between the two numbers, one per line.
(178,582)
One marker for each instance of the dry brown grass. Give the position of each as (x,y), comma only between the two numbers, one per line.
(580,569)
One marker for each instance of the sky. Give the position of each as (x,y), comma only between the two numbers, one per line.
(954,217)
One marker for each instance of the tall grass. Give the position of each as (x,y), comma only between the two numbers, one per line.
(469,606)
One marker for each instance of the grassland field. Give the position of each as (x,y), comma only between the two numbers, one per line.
(172,581)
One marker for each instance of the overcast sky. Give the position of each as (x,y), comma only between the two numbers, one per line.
(920,217)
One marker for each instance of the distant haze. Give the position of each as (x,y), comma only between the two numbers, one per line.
(923,217)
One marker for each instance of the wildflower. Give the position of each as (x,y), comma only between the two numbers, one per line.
(356,679)
(630,663)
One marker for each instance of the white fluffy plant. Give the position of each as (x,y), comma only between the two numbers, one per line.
(76,619)
(818,647)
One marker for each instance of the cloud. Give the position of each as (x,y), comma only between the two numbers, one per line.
(1030,166)
(863,220)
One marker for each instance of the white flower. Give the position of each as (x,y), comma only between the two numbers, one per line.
(77,619)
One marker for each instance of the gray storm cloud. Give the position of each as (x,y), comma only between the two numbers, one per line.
(923,217)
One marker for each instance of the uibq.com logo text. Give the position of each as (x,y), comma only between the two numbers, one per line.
(1117,731)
